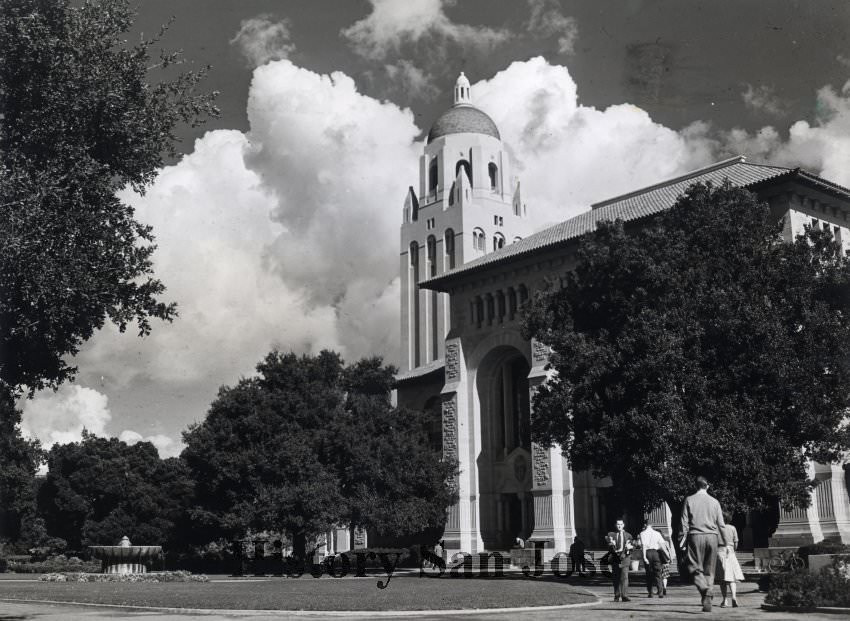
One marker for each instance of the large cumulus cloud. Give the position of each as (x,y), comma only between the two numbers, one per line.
(287,236)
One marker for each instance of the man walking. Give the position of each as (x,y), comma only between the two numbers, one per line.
(650,542)
(620,544)
(702,525)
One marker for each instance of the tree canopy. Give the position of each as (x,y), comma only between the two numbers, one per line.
(699,343)
(19,460)
(100,489)
(309,444)
(393,481)
(81,120)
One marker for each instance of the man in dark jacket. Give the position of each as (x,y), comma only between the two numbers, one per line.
(620,552)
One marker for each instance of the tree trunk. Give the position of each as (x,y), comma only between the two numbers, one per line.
(676,505)
(299,546)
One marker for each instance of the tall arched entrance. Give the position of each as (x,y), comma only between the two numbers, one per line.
(504,463)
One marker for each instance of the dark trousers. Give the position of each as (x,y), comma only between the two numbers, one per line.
(653,572)
(620,569)
(702,560)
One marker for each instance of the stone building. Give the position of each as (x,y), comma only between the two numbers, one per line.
(469,261)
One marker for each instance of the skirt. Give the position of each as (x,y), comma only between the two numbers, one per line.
(665,570)
(728,568)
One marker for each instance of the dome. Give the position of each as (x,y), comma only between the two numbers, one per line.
(462,119)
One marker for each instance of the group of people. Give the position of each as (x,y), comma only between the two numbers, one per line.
(707,538)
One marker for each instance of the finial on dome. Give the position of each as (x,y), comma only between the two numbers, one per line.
(463,96)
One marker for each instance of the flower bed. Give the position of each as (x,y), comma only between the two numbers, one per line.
(157,576)
(806,590)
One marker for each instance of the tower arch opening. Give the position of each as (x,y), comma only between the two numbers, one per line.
(504,463)
(433,176)
(493,172)
(463,164)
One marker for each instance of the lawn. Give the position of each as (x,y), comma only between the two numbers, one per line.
(307,593)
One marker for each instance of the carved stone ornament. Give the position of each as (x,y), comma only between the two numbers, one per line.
(450,441)
(452,362)
(539,351)
(540,458)
(450,429)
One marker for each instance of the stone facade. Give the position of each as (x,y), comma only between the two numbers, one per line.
(461,340)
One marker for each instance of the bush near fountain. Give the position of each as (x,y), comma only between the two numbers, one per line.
(59,563)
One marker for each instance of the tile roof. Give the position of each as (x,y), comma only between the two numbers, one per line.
(425,369)
(632,206)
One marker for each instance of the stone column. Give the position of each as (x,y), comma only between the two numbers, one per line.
(661,519)
(343,539)
(461,533)
(833,502)
(554,517)
(799,526)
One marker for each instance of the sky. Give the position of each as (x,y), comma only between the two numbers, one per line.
(278,227)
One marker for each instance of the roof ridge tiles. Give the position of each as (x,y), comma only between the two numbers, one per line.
(635,205)
(738,159)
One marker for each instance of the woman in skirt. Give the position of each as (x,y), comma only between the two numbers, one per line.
(665,567)
(728,569)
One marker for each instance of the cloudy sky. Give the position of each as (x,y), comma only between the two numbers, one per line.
(279,226)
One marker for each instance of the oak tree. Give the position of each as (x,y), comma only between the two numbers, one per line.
(309,444)
(699,342)
(99,489)
(82,119)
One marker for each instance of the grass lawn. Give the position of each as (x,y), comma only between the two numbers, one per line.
(308,593)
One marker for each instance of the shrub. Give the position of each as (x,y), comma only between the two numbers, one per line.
(4,565)
(827,546)
(215,557)
(803,589)
(58,563)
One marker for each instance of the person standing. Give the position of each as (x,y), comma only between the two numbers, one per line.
(729,569)
(651,542)
(665,567)
(620,550)
(702,525)
(577,556)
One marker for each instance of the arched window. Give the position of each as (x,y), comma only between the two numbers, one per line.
(491,308)
(516,239)
(432,176)
(432,255)
(523,294)
(493,171)
(414,302)
(511,303)
(449,244)
(465,165)
(498,241)
(478,240)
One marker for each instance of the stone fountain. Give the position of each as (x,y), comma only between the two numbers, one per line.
(125,558)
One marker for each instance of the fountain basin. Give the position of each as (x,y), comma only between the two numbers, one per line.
(125,559)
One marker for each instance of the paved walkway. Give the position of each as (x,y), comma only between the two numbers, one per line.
(681,603)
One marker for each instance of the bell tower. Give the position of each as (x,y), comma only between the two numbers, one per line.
(467,205)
